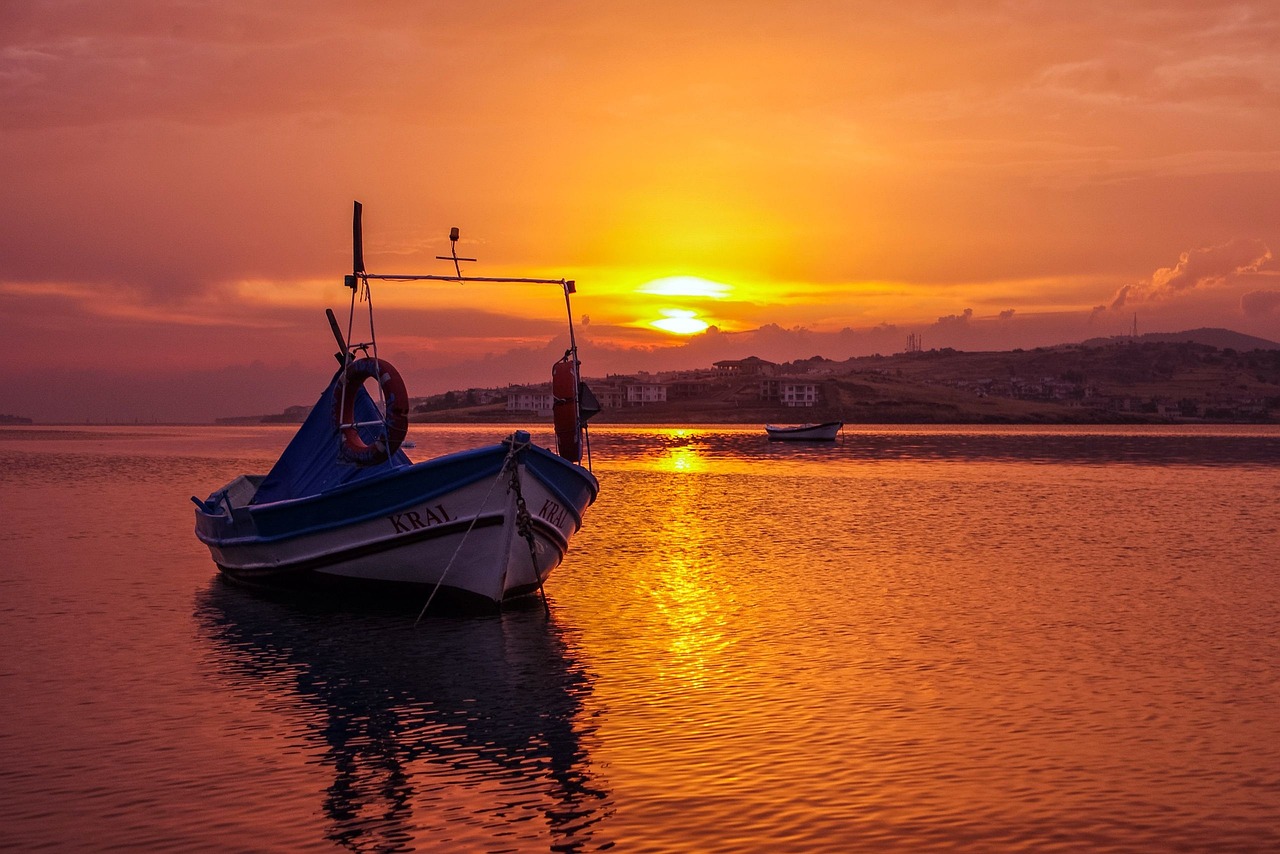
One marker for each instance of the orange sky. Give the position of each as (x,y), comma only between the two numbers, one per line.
(178,182)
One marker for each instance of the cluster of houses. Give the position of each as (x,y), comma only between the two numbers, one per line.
(1045,389)
(1224,405)
(792,386)
(644,389)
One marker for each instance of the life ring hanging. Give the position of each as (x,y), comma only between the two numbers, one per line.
(564,409)
(354,448)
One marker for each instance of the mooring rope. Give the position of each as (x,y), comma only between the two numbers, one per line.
(347,356)
(475,518)
(524,526)
(382,395)
(365,294)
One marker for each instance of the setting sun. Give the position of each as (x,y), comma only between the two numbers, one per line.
(680,321)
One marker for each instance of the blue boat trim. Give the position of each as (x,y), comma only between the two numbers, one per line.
(397,490)
(576,506)
(551,532)
(272,528)
(257,539)
(402,488)
(366,549)
(548,532)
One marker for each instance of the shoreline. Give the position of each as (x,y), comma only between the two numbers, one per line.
(678,423)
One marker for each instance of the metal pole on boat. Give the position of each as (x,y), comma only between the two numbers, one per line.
(357,243)
(353,282)
(337,334)
(571,287)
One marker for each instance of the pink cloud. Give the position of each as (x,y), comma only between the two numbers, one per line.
(1199,268)
(1212,265)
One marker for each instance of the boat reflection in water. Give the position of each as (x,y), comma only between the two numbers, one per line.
(455,732)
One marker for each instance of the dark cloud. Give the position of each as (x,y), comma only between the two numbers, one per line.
(1121,297)
(1260,303)
(955,319)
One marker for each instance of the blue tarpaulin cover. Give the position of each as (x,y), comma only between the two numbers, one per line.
(312,463)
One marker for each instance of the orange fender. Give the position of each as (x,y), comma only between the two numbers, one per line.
(564,412)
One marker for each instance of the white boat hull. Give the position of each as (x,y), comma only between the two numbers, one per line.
(825,432)
(462,540)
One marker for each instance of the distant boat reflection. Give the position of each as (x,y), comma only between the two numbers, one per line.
(458,729)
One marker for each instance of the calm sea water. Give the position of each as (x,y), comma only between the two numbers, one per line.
(914,639)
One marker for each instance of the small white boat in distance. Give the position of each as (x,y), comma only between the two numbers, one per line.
(824,432)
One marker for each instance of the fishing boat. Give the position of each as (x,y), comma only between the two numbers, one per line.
(344,508)
(824,432)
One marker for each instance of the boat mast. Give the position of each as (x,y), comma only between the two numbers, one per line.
(359,274)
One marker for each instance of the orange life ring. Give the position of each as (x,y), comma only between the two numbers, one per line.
(564,410)
(388,441)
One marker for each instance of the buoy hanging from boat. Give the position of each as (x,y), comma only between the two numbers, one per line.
(564,410)
(396,424)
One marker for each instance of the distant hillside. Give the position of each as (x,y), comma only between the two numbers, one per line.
(1198,376)
(1223,339)
(1123,381)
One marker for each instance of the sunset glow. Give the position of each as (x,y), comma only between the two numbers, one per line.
(686,286)
(721,182)
(680,322)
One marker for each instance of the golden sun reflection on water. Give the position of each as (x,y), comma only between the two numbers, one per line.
(690,607)
(683,460)
(687,587)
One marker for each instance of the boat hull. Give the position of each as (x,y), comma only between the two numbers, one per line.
(825,432)
(450,525)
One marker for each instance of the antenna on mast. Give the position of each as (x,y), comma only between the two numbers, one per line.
(453,252)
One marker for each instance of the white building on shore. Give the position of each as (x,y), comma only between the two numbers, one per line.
(525,399)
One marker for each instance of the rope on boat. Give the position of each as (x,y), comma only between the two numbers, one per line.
(348,352)
(365,295)
(511,455)
(524,526)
